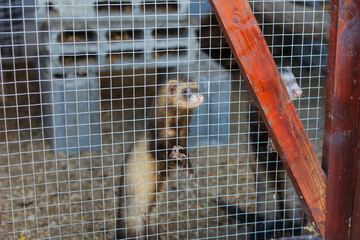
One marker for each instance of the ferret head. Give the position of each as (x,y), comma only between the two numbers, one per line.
(290,82)
(183,93)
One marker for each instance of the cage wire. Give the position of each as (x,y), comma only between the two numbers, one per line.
(78,79)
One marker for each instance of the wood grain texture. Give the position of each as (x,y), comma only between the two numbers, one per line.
(330,75)
(342,119)
(259,70)
(355,223)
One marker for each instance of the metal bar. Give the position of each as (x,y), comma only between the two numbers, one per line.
(341,139)
(257,66)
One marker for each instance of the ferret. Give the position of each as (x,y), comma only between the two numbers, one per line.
(274,195)
(293,90)
(149,164)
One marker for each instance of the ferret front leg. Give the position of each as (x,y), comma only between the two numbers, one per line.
(184,163)
(176,154)
(271,145)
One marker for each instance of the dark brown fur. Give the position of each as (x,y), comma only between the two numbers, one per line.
(276,207)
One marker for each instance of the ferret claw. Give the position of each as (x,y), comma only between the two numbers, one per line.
(176,154)
(184,164)
(271,146)
(189,173)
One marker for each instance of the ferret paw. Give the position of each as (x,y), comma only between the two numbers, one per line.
(189,172)
(176,154)
(186,166)
(271,146)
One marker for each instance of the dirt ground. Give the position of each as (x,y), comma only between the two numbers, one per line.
(52,196)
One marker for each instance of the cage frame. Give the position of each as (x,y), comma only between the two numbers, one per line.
(341,153)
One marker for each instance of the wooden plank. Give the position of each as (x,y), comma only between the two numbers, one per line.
(330,75)
(341,139)
(355,222)
(259,70)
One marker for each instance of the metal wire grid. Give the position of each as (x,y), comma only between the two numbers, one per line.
(48,195)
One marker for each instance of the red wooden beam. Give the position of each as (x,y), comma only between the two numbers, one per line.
(355,222)
(342,120)
(259,70)
(330,74)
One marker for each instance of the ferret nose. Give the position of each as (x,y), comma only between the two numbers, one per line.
(297,93)
(200,98)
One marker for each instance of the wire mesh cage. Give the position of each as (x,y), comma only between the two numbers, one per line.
(80,82)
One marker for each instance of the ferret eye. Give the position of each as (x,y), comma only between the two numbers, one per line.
(185,91)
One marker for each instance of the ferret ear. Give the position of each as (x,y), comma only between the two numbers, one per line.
(172,86)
